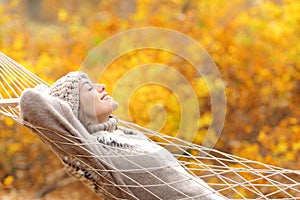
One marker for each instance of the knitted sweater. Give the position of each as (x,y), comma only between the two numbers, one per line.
(117,163)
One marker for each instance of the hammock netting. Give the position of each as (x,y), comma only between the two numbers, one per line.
(232,176)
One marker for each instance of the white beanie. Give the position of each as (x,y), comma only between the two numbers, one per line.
(67,88)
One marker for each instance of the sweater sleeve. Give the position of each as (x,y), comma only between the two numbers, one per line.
(52,120)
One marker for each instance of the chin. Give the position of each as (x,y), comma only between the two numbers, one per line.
(115,105)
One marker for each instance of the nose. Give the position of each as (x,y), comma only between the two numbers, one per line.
(101,87)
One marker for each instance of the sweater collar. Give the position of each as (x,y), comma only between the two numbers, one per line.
(109,125)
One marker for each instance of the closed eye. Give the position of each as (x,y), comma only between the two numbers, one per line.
(91,86)
(87,86)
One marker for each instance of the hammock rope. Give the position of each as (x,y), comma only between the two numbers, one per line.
(230,175)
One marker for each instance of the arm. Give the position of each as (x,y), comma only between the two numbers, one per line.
(53,122)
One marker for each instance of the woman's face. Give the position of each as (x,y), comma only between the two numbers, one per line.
(95,102)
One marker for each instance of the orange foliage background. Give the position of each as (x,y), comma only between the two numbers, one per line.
(255,45)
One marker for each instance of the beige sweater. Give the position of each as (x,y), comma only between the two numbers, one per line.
(115,162)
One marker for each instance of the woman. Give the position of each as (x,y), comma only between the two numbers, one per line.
(74,118)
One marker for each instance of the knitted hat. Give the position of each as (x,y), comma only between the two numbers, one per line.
(67,88)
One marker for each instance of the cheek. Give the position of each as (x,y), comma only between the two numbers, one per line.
(88,104)
(103,107)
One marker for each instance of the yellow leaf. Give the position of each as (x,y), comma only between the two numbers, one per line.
(7,182)
(296,146)
(8,121)
(62,15)
(293,120)
(18,43)
(13,148)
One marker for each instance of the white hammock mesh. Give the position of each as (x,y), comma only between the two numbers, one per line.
(232,176)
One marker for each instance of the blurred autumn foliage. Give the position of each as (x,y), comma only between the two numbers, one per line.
(255,45)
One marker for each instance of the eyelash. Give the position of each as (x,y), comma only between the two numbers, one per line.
(91,88)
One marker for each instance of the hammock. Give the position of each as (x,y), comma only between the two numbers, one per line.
(232,176)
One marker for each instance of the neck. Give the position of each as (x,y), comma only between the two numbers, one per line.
(91,120)
(109,125)
(102,118)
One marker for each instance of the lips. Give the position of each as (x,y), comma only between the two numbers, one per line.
(105,97)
